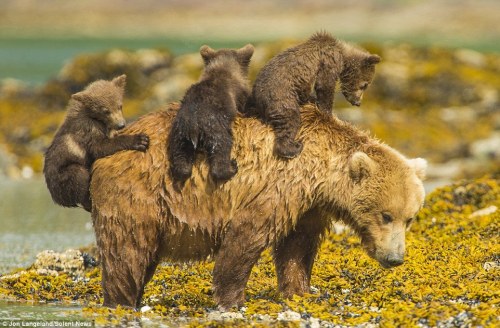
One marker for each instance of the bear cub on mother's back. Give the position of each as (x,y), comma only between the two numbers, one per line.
(93,117)
(204,121)
(287,81)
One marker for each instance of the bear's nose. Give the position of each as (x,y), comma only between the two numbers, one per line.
(394,260)
(120,125)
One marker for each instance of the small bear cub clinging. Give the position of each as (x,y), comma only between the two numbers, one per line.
(88,133)
(287,81)
(208,109)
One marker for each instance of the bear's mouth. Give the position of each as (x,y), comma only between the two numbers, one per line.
(386,259)
(353,100)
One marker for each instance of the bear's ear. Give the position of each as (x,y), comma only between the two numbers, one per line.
(245,53)
(207,53)
(372,59)
(120,81)
(361,166)
(80,96)
(420,167)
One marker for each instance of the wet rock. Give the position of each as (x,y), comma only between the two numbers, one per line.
(72,262)
(491,265)
(10,88)
(484,211)
(488,148)
(289,316)
(221,316)
(471,57)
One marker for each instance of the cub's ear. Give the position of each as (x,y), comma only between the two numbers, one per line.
(207,53)
(361,166)
(372,59)
(246,53)
(80,96)
(120,81)
(420,167)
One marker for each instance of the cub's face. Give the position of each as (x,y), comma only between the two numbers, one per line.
(386,199)
(102,101)
(357,76)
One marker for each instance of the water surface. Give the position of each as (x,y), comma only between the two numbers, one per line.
(31,223)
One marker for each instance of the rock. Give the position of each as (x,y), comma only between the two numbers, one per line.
(145,308)
(12,88)
(487,148)
(221,316)
(289,316)
(484,211)
(471,57)
(447,171)
(72,262)
(457,115)
(491,265)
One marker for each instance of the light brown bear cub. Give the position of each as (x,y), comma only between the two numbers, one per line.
(93,117)
(287,81)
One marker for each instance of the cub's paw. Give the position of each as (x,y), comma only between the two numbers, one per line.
(223,173)
(288,148)
(140,142)
(181,171)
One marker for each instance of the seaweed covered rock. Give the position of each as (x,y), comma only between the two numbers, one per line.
(142,67)
(71,262)
(449,280)
(422,100)
(431,77)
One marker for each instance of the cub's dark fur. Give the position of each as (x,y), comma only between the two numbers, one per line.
(287,81)
(204,121)
(93,117)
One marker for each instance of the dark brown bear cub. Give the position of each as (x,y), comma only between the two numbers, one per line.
(287,81)
(204,121)
(88,132)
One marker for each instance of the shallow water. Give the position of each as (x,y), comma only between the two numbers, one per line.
(16,311)
(36,60)
(31,223)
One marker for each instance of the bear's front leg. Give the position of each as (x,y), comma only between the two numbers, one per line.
(104,147)
(284,117)
(222,167)
(129,256)
(325,88)
(294,255)
(240,250)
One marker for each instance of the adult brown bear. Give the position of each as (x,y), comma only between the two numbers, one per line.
(342,173)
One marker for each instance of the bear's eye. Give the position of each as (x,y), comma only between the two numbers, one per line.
(105,110)
(364,86)
(387,218)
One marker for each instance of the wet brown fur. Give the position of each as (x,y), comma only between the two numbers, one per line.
(140,219)
(288,80)
(204,121)
(94,115)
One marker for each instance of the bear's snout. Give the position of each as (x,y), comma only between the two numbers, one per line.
(120,125)
(392,260)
